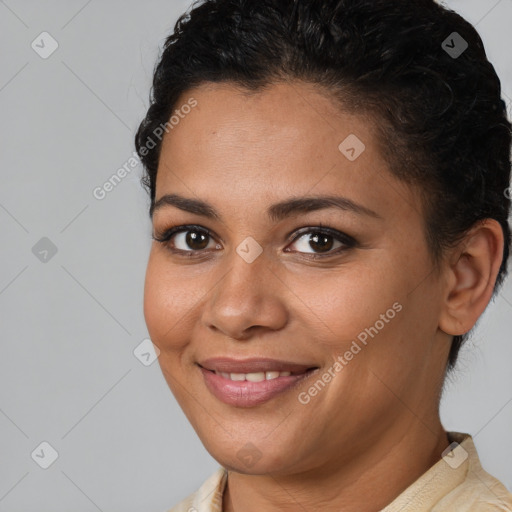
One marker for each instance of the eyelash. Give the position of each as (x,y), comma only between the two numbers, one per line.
(347,241)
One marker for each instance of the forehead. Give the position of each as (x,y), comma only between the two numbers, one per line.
(285,139)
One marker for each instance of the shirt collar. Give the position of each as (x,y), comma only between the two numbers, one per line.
(442,478)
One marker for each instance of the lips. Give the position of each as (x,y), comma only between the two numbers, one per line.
(250,382)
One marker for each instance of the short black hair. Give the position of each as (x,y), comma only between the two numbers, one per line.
(437,103)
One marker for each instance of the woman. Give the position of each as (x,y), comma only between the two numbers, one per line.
(328,197)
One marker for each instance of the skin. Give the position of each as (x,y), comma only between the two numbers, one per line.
(375,427)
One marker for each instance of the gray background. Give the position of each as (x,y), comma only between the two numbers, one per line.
(70,324)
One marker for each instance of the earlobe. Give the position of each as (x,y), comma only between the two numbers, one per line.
(471,277)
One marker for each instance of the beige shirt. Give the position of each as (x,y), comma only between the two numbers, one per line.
(456,483)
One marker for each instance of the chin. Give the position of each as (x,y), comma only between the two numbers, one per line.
(239,453)
(249,463)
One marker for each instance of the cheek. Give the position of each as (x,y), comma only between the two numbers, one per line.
(377,307)
(167,300)
(342,304)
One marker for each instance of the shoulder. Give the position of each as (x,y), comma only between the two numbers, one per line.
(457,482)
(479,491)
(477,494)
(208,498)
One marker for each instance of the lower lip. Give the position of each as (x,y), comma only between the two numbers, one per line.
(248,394)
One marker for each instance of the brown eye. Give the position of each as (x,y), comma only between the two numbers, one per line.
(322,242)
(196,240)
(187,239)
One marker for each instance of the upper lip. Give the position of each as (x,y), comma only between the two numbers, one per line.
(253,365)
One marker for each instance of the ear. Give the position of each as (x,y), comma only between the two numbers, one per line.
(471,276)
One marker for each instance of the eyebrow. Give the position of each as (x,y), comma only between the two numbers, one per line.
(275,212)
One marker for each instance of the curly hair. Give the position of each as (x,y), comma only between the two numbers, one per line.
(441,121)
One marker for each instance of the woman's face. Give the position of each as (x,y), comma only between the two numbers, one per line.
(344,292)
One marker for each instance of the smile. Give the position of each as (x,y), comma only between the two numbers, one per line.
(268,379)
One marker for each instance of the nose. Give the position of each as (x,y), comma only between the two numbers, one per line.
(247,299)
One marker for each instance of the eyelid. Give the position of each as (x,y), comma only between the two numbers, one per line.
(165,239)
(166,234)
(319,228)
(347,241)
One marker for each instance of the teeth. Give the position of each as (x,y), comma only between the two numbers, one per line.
(253,377)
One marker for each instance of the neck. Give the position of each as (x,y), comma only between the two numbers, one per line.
(367,484)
